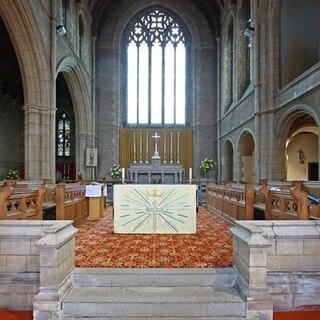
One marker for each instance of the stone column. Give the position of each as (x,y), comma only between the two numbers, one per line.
(32,141)
(250,261)
(57,260)
(38,145)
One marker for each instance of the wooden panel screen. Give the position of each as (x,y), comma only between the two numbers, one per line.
(175,146)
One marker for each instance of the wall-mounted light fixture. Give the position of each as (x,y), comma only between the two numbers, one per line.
(61,30)
(301,156)
(249,32)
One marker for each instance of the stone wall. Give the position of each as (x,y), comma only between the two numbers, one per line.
(36,258)
(278,264)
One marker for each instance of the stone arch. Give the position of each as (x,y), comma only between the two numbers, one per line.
(81,99)
(177,9)
(244,163)
(111,26)
(227,160)
(299,127)
(84,48)
(36,78)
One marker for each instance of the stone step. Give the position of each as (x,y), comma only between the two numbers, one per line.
(155,318)
(153,277)
(152,302)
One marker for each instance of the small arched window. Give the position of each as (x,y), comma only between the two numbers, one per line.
(156,57)
(63,136)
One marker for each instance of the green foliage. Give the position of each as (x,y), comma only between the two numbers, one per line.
(115,171)
(207,165)
(13,174)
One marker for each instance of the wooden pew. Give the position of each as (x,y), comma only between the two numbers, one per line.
(71,202)
(232,203)
(283,185)
(21,203)
(285,204)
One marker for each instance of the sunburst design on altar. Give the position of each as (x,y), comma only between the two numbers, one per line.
(147,209)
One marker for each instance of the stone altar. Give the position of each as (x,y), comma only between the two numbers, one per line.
(160,173)
(155,172)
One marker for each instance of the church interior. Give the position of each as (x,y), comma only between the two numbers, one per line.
(185,133)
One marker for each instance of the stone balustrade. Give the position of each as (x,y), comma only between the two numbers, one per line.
(278,264)
(36,258)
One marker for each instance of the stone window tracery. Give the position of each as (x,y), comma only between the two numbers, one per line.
(63,136)
(156,69)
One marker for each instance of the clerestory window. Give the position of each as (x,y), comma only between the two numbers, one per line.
(156,60)
(63,135)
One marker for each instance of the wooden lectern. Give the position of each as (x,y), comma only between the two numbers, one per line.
(96,201)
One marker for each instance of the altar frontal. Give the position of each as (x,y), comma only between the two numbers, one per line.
(160,209)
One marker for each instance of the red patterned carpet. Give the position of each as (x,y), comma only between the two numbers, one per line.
(98,246)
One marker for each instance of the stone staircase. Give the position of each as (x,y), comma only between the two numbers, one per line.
(105,294)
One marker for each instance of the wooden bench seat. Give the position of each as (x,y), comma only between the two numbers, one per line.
(232,203)
(21,203)
(71,202)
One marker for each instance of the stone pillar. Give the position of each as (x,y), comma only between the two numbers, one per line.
(250,261)
(57,260)
(32,141)
(38,147)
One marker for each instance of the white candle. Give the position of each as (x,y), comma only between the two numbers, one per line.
(178,143)
(123,173)
(134,141)
(147,147)
(141,142)
(190,175)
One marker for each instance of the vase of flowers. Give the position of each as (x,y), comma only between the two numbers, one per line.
(13,174)
(115,171)
(207,166)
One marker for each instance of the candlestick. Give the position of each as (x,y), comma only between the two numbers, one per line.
(190,175)
(171,147)
(178,141)
(147,147)
(165,148)
(140,147)
(134,147)
(178,148)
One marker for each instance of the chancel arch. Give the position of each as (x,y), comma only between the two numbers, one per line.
(112,95)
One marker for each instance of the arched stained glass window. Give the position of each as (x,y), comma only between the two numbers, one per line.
(156,69)
(63,136)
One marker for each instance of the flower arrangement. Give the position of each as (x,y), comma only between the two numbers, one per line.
(12,174)
(115,171)
(207,165)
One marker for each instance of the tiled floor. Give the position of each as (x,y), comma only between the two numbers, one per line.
(98,246)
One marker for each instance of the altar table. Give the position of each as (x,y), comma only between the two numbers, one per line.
(155,208)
